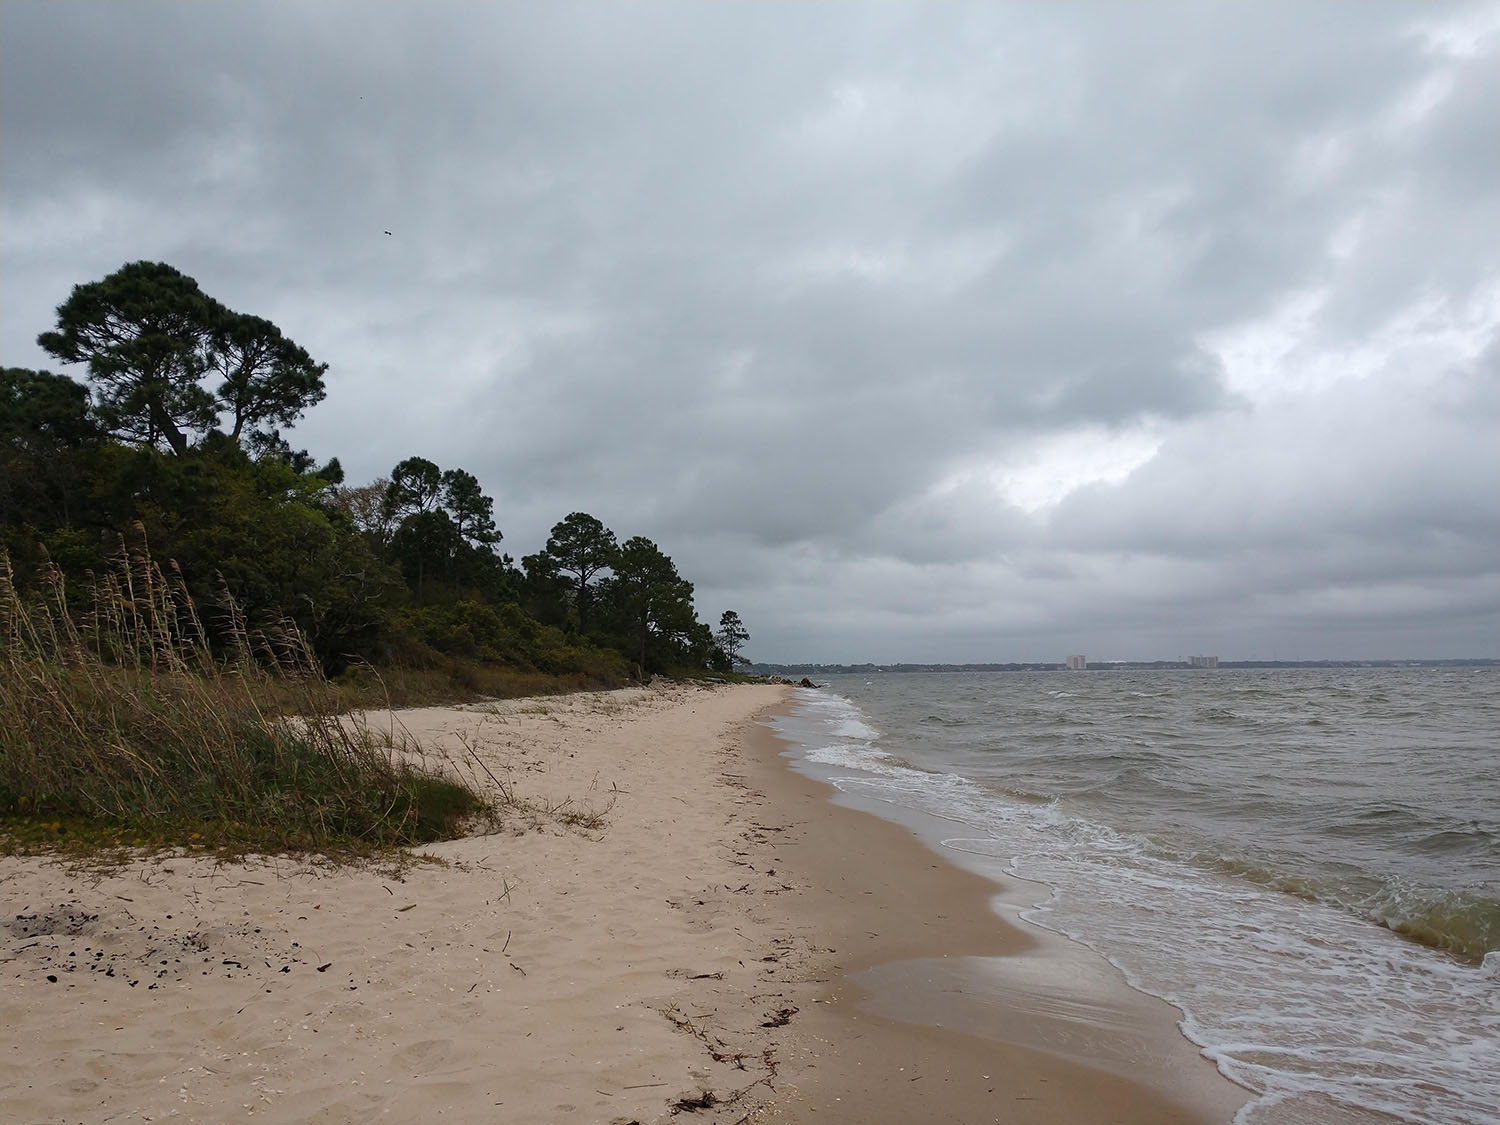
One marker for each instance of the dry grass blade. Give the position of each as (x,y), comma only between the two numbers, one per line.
(122,722)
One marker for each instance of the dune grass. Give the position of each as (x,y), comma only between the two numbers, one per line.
(120,725)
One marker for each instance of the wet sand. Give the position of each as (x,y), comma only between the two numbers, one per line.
(936,1008)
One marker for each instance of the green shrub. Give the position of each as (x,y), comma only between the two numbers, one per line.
(119,718)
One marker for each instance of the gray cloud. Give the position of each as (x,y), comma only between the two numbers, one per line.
(968,332)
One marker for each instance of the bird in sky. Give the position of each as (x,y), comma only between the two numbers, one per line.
(387,232)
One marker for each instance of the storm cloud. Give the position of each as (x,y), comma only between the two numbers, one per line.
(912,332)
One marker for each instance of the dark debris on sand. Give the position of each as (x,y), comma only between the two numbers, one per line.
(69,939)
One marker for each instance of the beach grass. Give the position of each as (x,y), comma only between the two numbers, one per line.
(120,724)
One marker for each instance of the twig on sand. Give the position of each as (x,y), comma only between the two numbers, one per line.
(715,1047)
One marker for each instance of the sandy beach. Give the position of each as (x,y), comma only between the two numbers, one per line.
(674,923)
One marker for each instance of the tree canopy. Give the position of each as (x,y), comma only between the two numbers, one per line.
(732,636)
(40,407)
(268,381)
(442,522)
(44,425)
(149,337)
(414,487)
(651,598)
(175,433)
(472,512)
(582,548)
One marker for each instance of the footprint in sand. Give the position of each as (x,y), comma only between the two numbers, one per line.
(423,1056)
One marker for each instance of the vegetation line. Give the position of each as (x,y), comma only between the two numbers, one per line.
(127,715)
(180,426)
(121,727)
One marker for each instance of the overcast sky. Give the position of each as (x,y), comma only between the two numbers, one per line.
(962,332)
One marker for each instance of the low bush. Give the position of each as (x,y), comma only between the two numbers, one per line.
(118,722)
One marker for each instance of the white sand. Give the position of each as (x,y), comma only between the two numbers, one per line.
(529,977)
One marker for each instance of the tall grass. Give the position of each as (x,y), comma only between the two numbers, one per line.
(118,720)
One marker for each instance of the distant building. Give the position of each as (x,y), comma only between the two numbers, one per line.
(1203,661)
(1077,663)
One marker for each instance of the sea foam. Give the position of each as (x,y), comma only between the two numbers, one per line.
(1322,1014)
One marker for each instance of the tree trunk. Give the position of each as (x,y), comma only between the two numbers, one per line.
(175,437)
(645,633)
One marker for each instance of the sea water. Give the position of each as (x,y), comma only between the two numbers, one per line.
(1305,862)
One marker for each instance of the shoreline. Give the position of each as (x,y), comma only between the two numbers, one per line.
(689,958)
(916,1021)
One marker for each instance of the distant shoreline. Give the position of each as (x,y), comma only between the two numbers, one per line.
(1111,665)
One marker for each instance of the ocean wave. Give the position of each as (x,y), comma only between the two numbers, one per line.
(1473,840)
(1218,715)
(854,728)
(853,757)
(1463,924)
(943,721)
(1296,1000)
(1305,966)
(1457,922)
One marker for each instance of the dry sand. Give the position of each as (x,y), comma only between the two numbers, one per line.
(686,955)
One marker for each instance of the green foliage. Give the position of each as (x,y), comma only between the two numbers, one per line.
(732,636)
(415,486)
(651,605)
(149,336)
(404,573)
(437,679)
(40,410)
(125,721)
(46,434)
(507,635)
(268,381)
(440,528)
(427,542)
(472,512)
(258,530)
(475,631)
(579,549)
(142,332)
